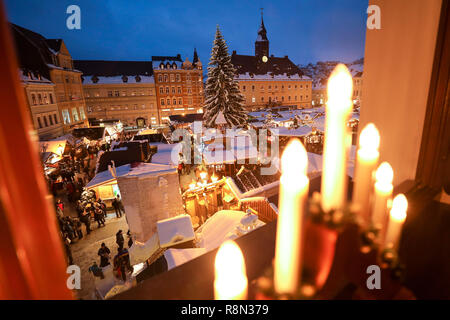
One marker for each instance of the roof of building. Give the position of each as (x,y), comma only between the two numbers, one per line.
(175,230)
(187,118)
(104,68)
(274,65)
(32,49)
(54,44)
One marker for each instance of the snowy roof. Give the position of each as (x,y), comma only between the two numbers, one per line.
(33,79)
(253,192)
(140,252)
(167,154)
(118,80)
(219,228)
(176,257)
(267,76)
(175,230)
(220,119)
(156,63)
(216,156)
(299,132)
(129,170)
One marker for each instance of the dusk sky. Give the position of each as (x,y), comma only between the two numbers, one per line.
(305,30)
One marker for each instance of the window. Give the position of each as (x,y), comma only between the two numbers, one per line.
(180,101)
(243,88)
(178,78)
(295,98)
(40,98)
(51,98)
(82,115)
(173,90)
(116,93)
(306,86)
(289,87)
(167,90)
(301,86)
(282,98)
(270,99)
(262,88)
(168,102)
(253,88)
(270,87)
(161,90)
(166,78)
(50,119)
(55,118)
(110,94)
(179,90)
(301,98)
(188,77)
(45,121)
(262,99)
(295,86)
(33,99)
(39,122)
(189,90)
(174,102)
(289,98)
(253,99)
(45,98)
(67,79)
(160,78)
(172,78)
(282,87)
(75,114)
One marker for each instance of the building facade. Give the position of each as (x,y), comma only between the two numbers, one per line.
(179,85)
(51,59)
(120,90)
(267,81)
(44,112)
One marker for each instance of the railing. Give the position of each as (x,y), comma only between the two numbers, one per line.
(263,208)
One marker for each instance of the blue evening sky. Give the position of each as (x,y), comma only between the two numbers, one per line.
(305,30)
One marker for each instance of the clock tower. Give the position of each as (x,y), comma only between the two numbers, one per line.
(262,43)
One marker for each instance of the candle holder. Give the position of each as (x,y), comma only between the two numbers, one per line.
(337,252)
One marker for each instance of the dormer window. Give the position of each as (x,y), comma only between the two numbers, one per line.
(174,65)
(168,65)
(161,66)
(94,79)
(124,78)
(138,78)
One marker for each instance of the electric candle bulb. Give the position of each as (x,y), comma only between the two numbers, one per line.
(203,175)
(396,220)
(294,185)
(230,275)
(367,158)
(383,191)
(338,107)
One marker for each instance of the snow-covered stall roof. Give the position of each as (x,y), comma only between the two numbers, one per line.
(140,252)
(176,257)
(252,193)
(175,230)
(220,227)
(298,132)
(128,170)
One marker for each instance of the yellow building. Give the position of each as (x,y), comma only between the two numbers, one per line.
(50,59)
(40,96)
(269,81)
(120,90)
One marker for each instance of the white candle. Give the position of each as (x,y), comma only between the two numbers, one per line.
(383,191)
(294,185)
(366,161)
(339,105)
(230,275)
(396,220)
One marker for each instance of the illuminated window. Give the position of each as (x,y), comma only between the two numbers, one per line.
(66,116)
(161,90)
(162,102)
(75,114)
(82,115)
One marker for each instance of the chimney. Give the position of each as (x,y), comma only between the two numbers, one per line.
(286,57)
(234,52)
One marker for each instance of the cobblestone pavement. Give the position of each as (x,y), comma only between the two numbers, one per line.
(84,251)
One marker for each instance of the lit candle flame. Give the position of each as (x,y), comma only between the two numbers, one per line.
(384,174)
(399,207)
(294,160)
(230,275)
(369,139)
(340,88)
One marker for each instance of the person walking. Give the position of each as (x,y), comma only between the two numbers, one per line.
(130,239)
(78,230)
(67,247)
(119,239)
(86,219)
(96,270)
(117,204)
(60,207)
(98,216)
(104,254)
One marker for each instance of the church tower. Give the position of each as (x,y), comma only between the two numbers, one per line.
(262,43)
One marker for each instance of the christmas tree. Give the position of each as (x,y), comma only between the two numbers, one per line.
(222,91)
